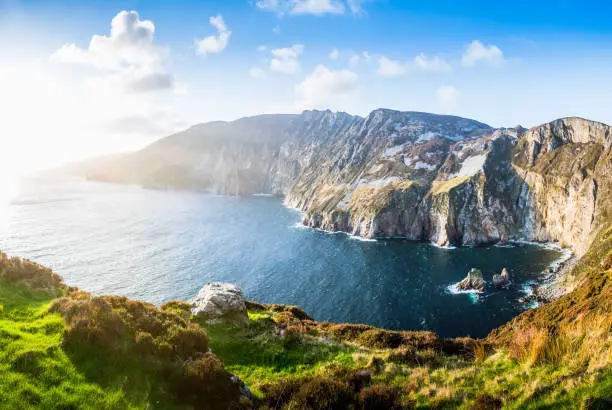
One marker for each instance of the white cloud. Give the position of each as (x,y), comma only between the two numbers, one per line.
(325,88)
(435,64)
(355,6)
(276,29)
(286,60)
(476,52)
(129,53)
(315,7)
(261,49)
(356,59)
(214,44)
(447,97)
(334,54)
(391,68)
(257,72)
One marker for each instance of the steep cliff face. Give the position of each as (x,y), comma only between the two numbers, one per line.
(421,176)
(566,169)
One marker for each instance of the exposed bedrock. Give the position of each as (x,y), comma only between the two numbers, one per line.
(421,176)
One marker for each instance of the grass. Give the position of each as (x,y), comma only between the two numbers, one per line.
(34,370)
(440,187)
(257,354)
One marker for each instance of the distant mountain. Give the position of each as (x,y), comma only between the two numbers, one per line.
(417,175)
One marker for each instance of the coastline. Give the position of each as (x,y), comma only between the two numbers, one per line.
(548,288)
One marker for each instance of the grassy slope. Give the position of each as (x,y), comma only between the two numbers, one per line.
(35,372)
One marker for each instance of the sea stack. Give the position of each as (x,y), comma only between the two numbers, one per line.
(502,279)
(473,281)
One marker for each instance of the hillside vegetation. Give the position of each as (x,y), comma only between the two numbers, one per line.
(63,348)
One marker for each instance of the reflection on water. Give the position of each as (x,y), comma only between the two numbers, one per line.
(162,245)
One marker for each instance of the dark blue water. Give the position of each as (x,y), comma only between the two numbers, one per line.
(163,245)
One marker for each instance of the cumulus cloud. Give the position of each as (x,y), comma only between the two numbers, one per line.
(286,60)
(434,64)
(447,97)
(334,54)
(325,88)
(128,53)
(477,52)
(391,68)
(214,44)
(394,68)
(315,7)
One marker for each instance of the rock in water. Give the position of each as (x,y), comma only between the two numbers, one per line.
(503,279)
(220,303)
(473,281)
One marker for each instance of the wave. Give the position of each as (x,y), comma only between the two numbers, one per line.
(299,225)
(473,294)
(449,247)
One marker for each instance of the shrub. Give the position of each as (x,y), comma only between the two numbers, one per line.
(180,308)
(379,397)
(403,355)
(279,393)
(359,379)
(37,276)
(298,312)
(345,331)
(292,335)
(204,384)
(323,393)
(380,339)
(486,402)
(186,341)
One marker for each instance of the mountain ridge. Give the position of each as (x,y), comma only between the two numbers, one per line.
(422,176)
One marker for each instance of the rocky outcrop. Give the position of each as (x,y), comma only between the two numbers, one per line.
(220,303)
(473,281)
(421,176)
(503,279)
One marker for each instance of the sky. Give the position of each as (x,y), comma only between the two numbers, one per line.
(84,78)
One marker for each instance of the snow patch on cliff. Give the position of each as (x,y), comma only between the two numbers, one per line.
(424,165)
(380,182)
(471,166)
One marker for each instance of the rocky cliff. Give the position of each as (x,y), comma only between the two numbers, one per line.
(421,176)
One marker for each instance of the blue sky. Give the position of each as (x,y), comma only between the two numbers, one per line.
(503,63)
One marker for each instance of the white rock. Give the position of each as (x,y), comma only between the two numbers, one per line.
(220,303)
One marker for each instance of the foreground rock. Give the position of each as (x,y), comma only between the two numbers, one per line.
(220,303)
(501,280)
(473,281)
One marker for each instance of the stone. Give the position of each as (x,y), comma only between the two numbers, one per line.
(502,279)
(473,281)
(220,303)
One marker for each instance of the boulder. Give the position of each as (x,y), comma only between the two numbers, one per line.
(473,281)
(503,279)
(220,303)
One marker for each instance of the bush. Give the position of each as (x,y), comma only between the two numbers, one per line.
(404,355)
(186,341)
(204,384)
(380,339)
(279,393)
(379,397)
(359,380)
(180,308)
(37,276)
(323,393)
(159,341)
(486,402)
(292,335)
